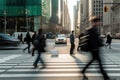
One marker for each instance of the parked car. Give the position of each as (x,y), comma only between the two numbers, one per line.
(50,35)
(6,40)
(61,38)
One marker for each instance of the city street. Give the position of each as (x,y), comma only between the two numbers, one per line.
(17,65)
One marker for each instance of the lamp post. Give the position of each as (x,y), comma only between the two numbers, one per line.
(43,7)
(5,22)
(26,13)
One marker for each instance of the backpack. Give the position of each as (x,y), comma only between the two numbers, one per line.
(83,44)
(35,42)
(39,42)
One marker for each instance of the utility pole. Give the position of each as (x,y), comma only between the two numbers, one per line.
(26,13)
(5,22)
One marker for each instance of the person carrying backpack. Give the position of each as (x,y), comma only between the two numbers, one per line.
(40,44)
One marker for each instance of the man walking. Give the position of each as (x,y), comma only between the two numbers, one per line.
(33,38)
(94,44)
(40,47)
(27,40)
(72,40)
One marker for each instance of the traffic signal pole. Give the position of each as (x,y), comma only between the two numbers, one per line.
(106,8)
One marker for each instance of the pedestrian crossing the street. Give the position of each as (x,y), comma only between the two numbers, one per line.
(67,67)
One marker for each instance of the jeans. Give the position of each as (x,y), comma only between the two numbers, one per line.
(39,59)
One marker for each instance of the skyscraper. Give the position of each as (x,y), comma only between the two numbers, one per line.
(96,9)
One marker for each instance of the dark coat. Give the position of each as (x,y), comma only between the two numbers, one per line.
(33,37)
(72,39)
(42,43)
(28,38)
(95,41)
(109,39)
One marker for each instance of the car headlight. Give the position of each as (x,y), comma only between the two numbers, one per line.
(56,39)
(65,39)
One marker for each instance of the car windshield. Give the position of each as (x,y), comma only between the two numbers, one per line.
(61,35)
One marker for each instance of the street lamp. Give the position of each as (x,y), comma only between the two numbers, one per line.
(43,7)
(26,13)
(5,22)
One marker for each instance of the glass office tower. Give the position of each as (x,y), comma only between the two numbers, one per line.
(20,15)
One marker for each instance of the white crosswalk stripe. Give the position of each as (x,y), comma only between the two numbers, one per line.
(54,70)
(63,66)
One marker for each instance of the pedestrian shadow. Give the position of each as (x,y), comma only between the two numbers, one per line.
(77,60)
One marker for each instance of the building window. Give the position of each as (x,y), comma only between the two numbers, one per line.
(15,2)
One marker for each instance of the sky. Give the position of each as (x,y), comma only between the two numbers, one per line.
(71,3)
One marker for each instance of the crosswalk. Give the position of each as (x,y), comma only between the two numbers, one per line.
(55,68)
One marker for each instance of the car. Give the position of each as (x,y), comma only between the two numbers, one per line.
(49,35)
(61,38)
(6,40)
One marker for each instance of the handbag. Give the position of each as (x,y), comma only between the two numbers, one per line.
(83,44)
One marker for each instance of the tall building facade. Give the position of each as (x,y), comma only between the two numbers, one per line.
(66,26)
(107,17)
(54,15)
(55,6)
(21,15)
(96,9)
(116,17)
(84,14)
(46,14)
(64,17)
(74,17)
(77,19)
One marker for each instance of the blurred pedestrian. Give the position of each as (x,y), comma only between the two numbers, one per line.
(27,40)
(33,38)
(18,36)
(109,40)
(94,43)
(72,40)
(40,46)
(21,38)
(80,35)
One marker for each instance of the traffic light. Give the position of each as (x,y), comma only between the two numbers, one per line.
(105,9)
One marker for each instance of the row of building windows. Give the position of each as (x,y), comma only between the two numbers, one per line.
(98,1)
(19,2)
(22,2)
(98,9)
(98,12)
(98,5)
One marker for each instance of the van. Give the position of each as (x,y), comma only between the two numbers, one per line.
(15,34)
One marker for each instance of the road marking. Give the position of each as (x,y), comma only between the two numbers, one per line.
(56,75)
(2,71)
(71,63)
(67,66)
(8,58)
(5,64)
(60,70)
